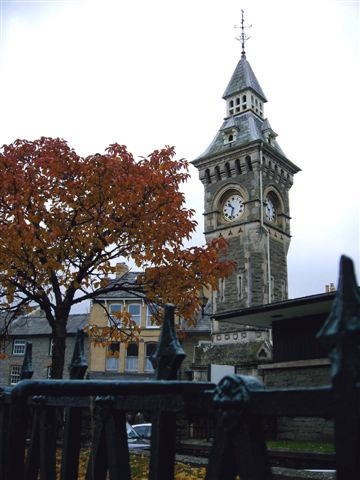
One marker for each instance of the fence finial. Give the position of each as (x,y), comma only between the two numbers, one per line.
(342,327)
(78,365)
(27,368)
(169,352)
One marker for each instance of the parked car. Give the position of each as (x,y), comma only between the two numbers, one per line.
(134,439)
(143,430)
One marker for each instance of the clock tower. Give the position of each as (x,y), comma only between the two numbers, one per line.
(247,177)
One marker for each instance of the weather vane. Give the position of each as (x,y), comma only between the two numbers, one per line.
(242,37)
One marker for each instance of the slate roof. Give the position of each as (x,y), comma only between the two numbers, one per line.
(243,78)
(38,325)
(249,129)
(127,280)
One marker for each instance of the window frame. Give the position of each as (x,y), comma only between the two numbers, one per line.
(16,350)
(131,315)
(114,360)
(113,320)
(148,318)
(148,365)
(132,357)
(13,375)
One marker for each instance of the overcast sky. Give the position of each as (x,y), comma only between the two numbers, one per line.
(149,73)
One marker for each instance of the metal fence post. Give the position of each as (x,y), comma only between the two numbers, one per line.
(73,415)
(166,360)
(341,336)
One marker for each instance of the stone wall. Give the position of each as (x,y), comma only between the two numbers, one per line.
(308,373)
(189,343)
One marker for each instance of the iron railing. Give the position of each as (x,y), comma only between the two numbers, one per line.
(238,404)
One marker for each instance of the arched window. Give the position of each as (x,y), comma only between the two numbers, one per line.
(207,176)
(217,172)
(238,166)
(231,103)
(231,137)
(132,354)
(227,169)
(248,163)
(244,98)
(150,349)
(238,101)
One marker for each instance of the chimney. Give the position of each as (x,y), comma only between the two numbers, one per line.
(120,269)
(332,287)
(327,288)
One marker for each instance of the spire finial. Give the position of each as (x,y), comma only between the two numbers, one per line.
(242,37)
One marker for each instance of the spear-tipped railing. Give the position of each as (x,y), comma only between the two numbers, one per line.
(238,403)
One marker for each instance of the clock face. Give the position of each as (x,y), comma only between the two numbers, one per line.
(270,211)
(233,207)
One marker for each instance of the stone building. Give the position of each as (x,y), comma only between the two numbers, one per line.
(246,178)
(35,328)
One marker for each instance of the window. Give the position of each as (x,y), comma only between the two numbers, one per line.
(244,98)
(222,290)
(231,107)
(230,137)
(51,346)
(132,357)
(217,171)
(150,349)
(238,101)
(15,371)
(239,284)
(207,176)
(227,169)
(113,309)
(135,312)
(150,311)
(19,347)
(244,106)
(112,356)
(238,166)
(272,288)
(248,163)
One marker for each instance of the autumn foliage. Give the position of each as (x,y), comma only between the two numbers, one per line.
(64,219)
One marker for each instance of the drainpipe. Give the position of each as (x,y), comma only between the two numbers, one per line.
(266,230)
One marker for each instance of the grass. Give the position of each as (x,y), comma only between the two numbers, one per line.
(140,463)
(313,447)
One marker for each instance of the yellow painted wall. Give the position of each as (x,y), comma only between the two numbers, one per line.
(98,362)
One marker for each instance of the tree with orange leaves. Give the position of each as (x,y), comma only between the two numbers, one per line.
(64,218)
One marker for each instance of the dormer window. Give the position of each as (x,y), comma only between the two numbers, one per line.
(229,135)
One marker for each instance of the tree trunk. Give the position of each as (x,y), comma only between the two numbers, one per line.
(58,350)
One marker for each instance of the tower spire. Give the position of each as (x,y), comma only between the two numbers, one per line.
(242,37)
